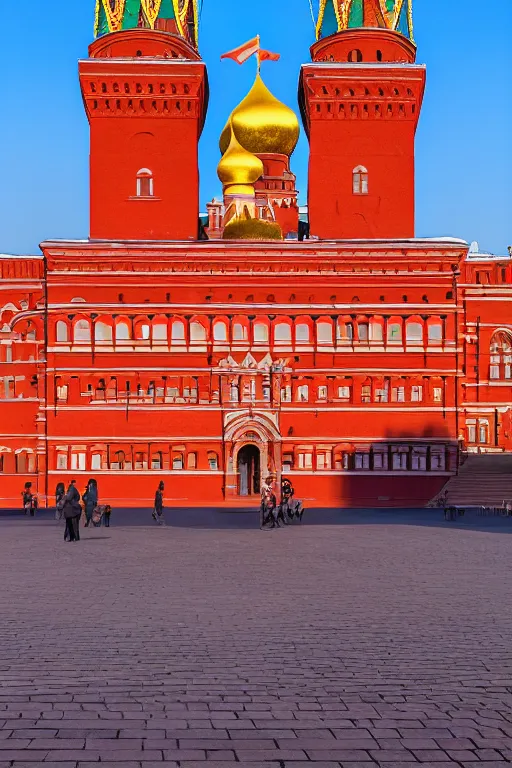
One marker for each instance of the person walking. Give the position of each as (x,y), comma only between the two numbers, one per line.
(72,513)
(158,511)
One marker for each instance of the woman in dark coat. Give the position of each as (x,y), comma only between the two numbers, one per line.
(158,512)
(72,513)
(60,493)
(90,499)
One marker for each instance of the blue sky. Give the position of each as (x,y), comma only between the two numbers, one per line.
(464,150)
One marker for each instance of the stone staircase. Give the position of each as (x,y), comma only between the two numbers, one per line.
(483,480)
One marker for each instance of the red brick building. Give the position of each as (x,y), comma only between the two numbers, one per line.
(342,351)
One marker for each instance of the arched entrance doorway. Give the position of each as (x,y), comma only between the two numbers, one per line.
(248,469)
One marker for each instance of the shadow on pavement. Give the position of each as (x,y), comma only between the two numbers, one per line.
(247,519)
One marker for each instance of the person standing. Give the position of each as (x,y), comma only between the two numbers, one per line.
(106,515)
(60,493)
(268,504)
(29,500)
(90,499)
(158,512)
(72,513)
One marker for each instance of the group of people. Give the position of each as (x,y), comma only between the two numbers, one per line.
(68,506)
(272,513)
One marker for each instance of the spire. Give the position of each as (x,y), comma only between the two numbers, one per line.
(177,16)
(339,15)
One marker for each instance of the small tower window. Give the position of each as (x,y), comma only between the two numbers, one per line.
(145,186)
(355,55)
(360,180)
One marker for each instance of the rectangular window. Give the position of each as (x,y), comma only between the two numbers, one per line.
(366,394)
(96,461)
(362,331)
(177,462)
(192,461)
(305,460)
(156,461)
(322,393)
(382,395)
(62,393)
(435,334)
(344,393)
(376,332)
(302,393)
(323,460)
(437,461)
(438,395)
(286,394)
(398,395)
(483,432)
(400,461)
(62,461)
(213,462)
(287,462)
(78,461)
(417,394)
(362,461)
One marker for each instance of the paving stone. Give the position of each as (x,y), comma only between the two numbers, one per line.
(381,655)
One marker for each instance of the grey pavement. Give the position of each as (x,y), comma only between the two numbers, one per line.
(359,639)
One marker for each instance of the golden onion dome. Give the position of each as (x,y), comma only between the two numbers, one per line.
(238,169)
(262,124)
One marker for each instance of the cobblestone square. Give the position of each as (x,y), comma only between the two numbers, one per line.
(383,641)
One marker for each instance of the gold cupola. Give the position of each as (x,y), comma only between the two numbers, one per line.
(238,169)
(262,124)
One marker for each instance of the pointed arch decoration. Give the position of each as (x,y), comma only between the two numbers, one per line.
(395,15)
(114,12)
(151,10)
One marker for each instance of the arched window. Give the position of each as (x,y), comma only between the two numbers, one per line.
(260,333)
(376,331)
(145,184)
(62,331)
(501,356)
(283,333)
(142,330)
(435,334)
(122,331)
(102,332)
(220,331)
(82,331)
(355,55)
(414,333)
(178,332)
(360,180)
(394,333)
(302,335)
(240,332)
(324,332)
(160,331)
(197,332)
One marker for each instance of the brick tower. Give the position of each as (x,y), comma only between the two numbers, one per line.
(361,100)
(145,93)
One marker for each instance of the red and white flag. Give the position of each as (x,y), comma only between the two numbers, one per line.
(248,49)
